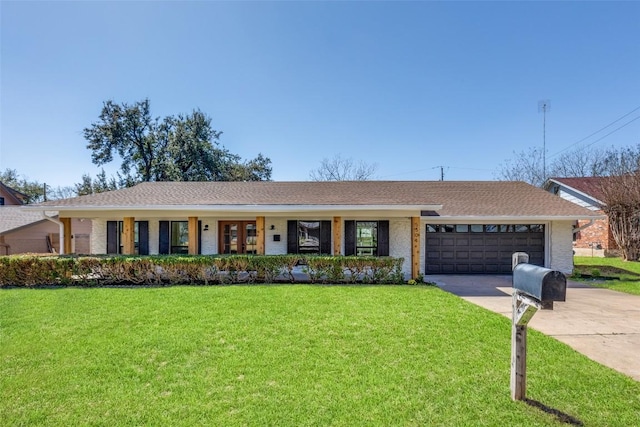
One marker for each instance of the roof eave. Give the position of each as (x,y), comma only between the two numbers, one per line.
(582,193)
(237,208)
(511,218)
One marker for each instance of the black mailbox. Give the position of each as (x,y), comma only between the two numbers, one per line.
(541,283)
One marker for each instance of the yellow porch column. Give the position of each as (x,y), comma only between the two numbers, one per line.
(66,225)
(260,237)
(337,235)
(193,235)
(128,236)
(415,246)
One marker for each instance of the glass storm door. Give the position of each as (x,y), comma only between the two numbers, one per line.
(238,237)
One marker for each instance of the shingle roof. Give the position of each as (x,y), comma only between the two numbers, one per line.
(458,198)
(591,186)
(13,217)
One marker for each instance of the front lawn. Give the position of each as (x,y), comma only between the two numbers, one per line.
(610,273)
(290,355)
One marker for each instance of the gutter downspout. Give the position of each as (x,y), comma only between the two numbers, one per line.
(579,229)
(61,225)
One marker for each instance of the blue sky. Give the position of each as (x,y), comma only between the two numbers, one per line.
(410,86)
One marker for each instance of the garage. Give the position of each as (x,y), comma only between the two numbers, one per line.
(481,248)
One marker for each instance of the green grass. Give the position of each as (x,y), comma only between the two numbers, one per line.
(286,356)
(627,272)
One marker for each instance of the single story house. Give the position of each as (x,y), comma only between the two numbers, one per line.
(28,231)
(437,227)
(593,236)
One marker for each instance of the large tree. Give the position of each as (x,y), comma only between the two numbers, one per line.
(99,184)
(343,169)
(175,148)
(621,198)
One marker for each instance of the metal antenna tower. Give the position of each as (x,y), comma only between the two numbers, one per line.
(544,106)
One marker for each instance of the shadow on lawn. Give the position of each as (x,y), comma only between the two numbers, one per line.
(560,416)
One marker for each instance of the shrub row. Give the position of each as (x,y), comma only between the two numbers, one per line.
(30,271)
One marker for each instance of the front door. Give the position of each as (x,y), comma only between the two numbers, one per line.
(238,237)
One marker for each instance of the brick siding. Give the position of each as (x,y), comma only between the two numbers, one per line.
(596,234)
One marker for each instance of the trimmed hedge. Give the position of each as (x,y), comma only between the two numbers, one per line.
(34,271)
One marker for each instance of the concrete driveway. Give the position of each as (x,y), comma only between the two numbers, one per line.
(601,324)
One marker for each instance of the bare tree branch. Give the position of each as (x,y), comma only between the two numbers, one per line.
(343,169)
(621,196)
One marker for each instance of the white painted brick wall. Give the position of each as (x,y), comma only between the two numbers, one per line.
(99,236)
(209,238)
(560,240)
(154,235)
(561,246)
(280,227)
(399,238)
(400,242)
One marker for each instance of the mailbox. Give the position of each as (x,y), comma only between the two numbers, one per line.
(541,283)
(533,288)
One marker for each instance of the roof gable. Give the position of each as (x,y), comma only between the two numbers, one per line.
(589,186)
(17,197)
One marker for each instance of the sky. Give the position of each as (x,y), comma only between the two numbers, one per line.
(417,88)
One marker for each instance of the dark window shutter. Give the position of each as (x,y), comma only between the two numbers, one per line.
(292,237)
(199,237)
(143,237)
(163,247)
(349,238)
(383,238)
(325,237)
(112,237)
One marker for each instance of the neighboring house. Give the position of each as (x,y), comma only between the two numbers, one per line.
(592,237)
(28,231)
(11,197)
(437,227)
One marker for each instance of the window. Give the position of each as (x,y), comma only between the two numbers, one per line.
(174,237)
(446,228)
(486,228)
(115,237)
(179,237)
(309,237)
(1,201)
(366,238)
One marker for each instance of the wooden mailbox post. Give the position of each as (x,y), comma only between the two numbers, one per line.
(534,288)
